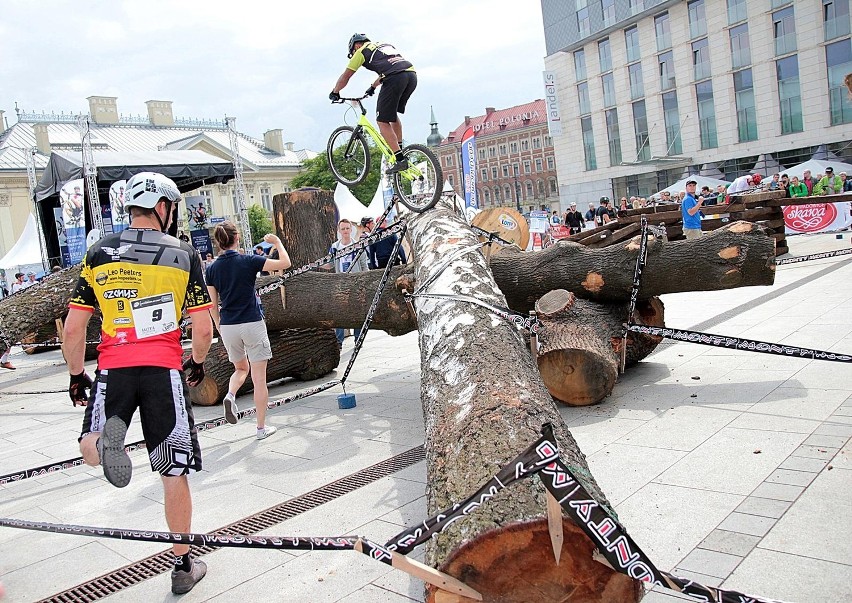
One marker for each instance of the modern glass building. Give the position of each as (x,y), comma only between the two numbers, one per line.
(661,88)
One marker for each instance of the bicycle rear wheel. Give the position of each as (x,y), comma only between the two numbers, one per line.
(419,187)
(348,155)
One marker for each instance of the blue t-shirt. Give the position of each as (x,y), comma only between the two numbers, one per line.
(690,221)
(233,276)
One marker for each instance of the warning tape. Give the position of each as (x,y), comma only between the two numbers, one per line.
(813,256)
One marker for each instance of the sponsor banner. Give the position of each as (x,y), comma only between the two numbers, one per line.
(560,232)
(74,219)
(118,212)
(468,151)
(554,119)
(816,217)
(60,233)
(197,212)
(539,221)
(201,241)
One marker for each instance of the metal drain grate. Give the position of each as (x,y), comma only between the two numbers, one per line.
(130,575)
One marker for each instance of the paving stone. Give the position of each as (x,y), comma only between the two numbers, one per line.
(834,429)
(814,452)
(747,524)
(777,491)
(765,507)
(709,563)
(798,463)
(826,441)
(732,543)
(843,411)
(789,477)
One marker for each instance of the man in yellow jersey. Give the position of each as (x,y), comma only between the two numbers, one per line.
(141,279)
(398,80)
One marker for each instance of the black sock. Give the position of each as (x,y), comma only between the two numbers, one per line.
(399,156)
(183,563)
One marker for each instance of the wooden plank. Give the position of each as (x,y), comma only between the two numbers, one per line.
(554,525)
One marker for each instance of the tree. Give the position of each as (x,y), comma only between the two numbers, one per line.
(317,173)
(259,222)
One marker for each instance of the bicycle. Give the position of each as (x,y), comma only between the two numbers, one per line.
(349,156)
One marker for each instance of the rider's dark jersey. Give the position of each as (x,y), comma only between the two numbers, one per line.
(384,59)
(140,279)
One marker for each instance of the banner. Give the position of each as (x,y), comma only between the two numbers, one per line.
(201,241)
(198,212)
(816,217)
(554,120)
(387,190)
(60,234)
(120,217)
(74,219)
(468,152)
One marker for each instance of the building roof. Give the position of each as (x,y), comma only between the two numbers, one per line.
(500,121)
(15,142)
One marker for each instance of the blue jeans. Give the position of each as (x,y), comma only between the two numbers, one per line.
(339,333)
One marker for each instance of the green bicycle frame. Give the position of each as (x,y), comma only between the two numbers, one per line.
(412,173)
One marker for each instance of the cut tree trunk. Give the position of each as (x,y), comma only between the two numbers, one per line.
(579,344)
(301,353)
(484,402)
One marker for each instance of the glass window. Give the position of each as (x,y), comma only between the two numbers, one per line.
(487,194)
(746,110)
(672,121)
(636,6)
(789,94)
(527,167)
(494,172)
(482,154)
(737,11)
(551,163)
(496,194)
(492,151)
(583,94)
(484,174)
(513,147)
(838,59)
(608,83)
(637,86)
(740,48)
(525,144)
(583,22)
(538,164)
(608,9)
(505,170)
(640,129)
(777,3)
(631,40)
(588,143)
(697,20)
(580,64)
(663,29)
(529,186)
(548,141)
(701,59)
(450,179)
(613,137)
(553,186)
(667,74)
(605,55)
(836,18)
(266,198)
(706,115)
(503,150)
(784,29)
(536,143)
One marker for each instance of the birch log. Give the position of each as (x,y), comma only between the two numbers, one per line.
(484,402)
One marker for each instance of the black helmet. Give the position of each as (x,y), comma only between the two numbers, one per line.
(356,38)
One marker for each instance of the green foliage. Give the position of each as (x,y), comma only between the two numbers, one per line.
(259,222)
(315,172)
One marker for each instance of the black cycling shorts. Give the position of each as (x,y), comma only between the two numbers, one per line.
(395,92)
(162,397)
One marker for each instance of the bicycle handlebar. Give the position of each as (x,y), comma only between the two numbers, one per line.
(344,100)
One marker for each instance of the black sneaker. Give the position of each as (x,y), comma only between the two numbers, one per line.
(399,166)
(114,459)
(183,582)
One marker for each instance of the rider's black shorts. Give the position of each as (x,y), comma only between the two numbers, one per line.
(162,398)
(394,93)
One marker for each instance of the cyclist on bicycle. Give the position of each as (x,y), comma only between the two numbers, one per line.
(398,80)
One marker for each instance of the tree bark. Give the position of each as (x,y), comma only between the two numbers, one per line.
(580,344)
(484,402)
(301,353)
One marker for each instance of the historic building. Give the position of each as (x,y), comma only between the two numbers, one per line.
(649,90)
(269,164)
(515,164)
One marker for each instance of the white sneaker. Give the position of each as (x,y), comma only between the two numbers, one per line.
(267,431)
(231,408)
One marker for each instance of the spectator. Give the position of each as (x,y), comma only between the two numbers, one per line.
(351,262)
(784,185)
(691,212)
(554,219)
(183,237)
(643,202)
(5,362)
(847,182)
(708,195)
(574,219)
(665,197)
(380,251)
(368,225)
(798,189)
(19,282)
(31,280)
(742,184)
(239,320)
(774,184)
(808,181)
(829,184)
(623,206)
(590,215)
(258,250)
(602,213)
(208,259)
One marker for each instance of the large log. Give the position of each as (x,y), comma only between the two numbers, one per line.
(484,402)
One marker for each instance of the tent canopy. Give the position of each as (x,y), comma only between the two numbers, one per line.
(189,169)
(817,166)
(25,251)
(680,185)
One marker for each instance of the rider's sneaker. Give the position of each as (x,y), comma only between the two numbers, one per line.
(231,408)
(114,459)
(399,166)
(183,582)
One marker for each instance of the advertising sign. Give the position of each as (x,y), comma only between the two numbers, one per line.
(73,219)
(816,217)
(198,212)
(539,221)
(554,119)
(119,214)
(468,152)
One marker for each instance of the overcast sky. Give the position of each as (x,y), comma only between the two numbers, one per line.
(269,64)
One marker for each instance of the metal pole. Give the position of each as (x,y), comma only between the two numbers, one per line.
(242,208)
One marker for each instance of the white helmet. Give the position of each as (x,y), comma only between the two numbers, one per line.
(145,189)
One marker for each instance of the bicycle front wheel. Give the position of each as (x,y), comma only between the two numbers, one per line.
(348,155)
(419,187)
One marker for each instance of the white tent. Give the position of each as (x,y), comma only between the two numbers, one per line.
(817,166)
(680,185)
(767,165)
(25,252)
(347,205)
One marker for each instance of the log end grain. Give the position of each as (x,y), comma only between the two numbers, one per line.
(577,377)
(593,282)
(554,302)
(516,564)
(729,253)
(205,393)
